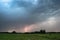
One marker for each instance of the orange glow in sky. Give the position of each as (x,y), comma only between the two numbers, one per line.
(28,28)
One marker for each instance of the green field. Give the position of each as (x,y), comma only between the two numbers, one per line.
(29,36)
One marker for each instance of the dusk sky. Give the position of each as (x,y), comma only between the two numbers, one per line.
(29,15)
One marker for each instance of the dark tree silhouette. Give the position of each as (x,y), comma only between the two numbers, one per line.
(42,31)
(14,32)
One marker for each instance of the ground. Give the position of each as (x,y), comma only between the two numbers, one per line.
(29,36)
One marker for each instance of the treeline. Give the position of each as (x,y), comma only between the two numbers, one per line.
(36,32)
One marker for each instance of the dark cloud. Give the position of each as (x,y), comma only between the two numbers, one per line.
(27,12)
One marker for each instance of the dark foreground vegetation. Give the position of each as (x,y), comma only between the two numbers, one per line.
(13,36)
(41,35)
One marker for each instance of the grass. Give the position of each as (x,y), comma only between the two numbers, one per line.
(29,36)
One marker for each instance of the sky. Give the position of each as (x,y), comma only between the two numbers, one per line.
(29,15)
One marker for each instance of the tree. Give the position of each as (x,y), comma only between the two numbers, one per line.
(14,32)
(42,31)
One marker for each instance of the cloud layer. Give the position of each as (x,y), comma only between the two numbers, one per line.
(30,14)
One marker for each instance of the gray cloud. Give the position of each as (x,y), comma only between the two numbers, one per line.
(27,12)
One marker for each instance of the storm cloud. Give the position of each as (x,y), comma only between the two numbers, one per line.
(32,15)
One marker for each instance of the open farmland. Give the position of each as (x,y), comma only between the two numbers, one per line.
(29,36)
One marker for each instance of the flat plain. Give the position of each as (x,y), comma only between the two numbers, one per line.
(29,36)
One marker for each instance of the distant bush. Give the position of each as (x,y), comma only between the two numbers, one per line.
(14,32)
(42,31)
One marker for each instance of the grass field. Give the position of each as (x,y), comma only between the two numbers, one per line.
(29,36)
